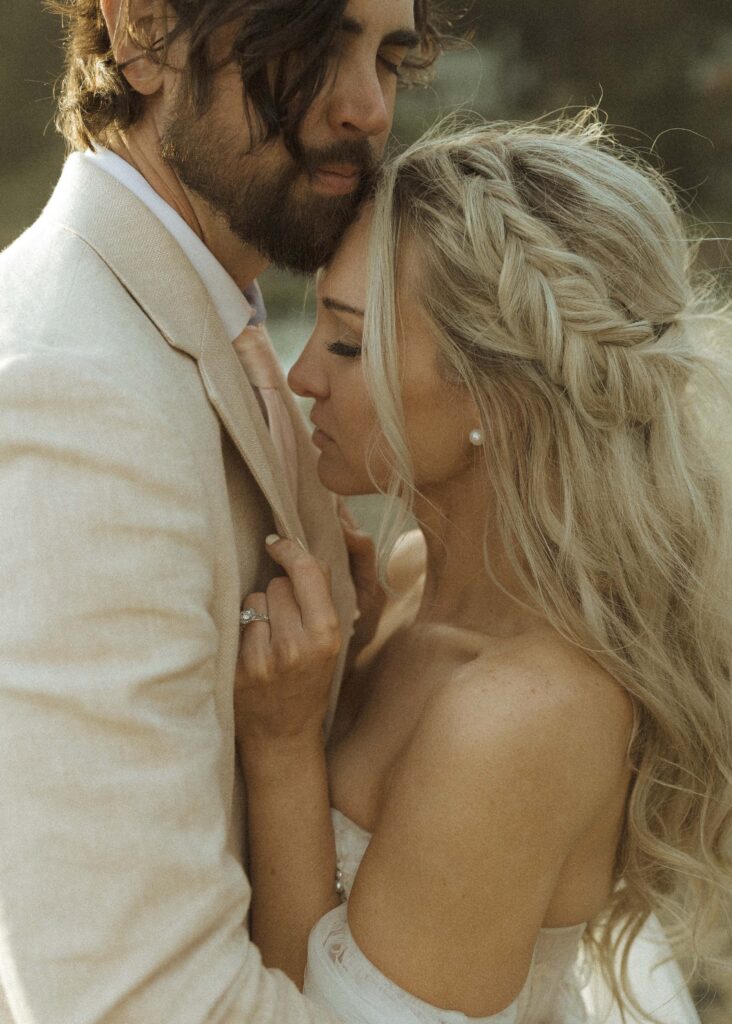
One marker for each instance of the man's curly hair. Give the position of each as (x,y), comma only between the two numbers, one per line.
(296,38)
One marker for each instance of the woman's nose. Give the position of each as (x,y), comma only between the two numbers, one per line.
(306,378)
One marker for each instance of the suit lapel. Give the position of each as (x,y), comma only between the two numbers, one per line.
(130,240)
(232,396)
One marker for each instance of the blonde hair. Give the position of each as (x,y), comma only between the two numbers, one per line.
(556,269)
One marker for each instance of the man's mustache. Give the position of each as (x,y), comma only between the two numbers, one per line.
(356,152)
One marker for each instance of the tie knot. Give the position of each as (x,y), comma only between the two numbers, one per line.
(256,356)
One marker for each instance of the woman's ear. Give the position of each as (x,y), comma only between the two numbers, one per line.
(134,26)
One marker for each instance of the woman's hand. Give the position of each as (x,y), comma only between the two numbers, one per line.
(286,665)
(283,683)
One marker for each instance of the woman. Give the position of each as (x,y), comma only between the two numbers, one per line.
(532,754)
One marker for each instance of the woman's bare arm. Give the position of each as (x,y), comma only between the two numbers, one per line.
(283,683)
(292,859)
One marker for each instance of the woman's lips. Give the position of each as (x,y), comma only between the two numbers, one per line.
(337,179)
(320,438)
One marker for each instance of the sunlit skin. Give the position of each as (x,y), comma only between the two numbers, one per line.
(464,697)
(357,103)
(463,694)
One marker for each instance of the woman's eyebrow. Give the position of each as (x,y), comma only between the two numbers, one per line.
(340,307)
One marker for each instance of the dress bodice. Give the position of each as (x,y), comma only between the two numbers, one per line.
(337,968)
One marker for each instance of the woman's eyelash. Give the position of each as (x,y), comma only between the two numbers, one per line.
(339,348)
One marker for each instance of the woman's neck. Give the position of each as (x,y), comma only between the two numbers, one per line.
(458,524)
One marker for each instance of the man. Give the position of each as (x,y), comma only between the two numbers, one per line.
(140,471)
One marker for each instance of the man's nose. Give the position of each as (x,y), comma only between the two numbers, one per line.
(306,378)
(358,103)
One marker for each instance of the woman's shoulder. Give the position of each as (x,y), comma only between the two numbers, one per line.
(546,670)
(537,703)
(502,779)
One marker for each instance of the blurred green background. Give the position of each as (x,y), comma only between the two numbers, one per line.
(660,69)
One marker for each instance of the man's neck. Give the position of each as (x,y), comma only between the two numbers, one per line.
(140,148)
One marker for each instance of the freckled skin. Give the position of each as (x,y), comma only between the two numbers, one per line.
(518,737)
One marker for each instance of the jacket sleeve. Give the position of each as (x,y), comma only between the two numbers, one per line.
(119,902)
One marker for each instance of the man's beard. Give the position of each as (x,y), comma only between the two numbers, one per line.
(264,194)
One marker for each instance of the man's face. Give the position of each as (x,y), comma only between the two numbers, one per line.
(294,211)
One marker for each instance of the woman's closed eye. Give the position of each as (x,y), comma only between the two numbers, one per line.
(342,348)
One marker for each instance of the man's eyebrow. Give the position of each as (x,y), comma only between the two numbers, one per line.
(399,37)
(351,25)
(340,307)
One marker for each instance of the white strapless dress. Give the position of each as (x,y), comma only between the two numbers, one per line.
(557,989)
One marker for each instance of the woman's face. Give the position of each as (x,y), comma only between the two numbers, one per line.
(438,415)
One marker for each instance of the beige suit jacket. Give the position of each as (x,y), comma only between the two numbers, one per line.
(137,484)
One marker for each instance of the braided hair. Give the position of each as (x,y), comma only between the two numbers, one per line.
(556,269)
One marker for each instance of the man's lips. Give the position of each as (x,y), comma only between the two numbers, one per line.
(343,170)
(338,179)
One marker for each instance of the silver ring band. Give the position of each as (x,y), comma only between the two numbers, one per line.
(252,615)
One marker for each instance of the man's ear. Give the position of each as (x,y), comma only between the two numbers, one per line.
(134,26)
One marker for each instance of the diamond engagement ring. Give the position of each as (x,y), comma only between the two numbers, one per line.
(251,615)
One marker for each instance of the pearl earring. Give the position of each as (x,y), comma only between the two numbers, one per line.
(476,438)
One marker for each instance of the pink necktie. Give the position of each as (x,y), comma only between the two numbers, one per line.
(260,365)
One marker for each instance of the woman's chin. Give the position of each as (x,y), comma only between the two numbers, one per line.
(331,480)
(342,482)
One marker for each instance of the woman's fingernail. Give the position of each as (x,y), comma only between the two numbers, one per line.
(271,539)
